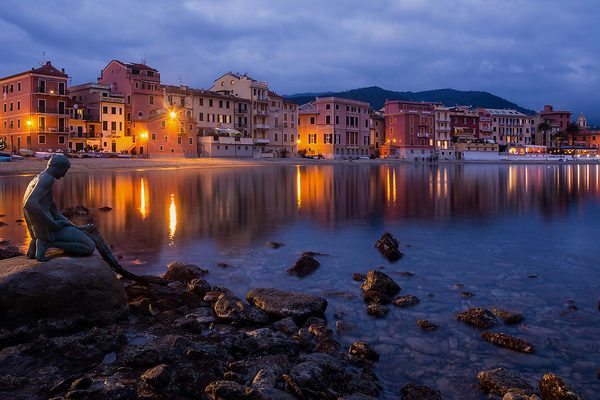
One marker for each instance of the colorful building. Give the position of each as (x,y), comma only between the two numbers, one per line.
(107,108)
(443,131)
(558,121)
(410,130)
(283,117)
(333,127)
(34,113)
(464,123)
(377,132)
(510,127)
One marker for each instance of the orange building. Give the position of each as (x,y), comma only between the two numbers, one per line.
(34,113)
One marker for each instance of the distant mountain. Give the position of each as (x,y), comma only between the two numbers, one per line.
(449,97)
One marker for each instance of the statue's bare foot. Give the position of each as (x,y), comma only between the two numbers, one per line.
(40,252)
(31,250)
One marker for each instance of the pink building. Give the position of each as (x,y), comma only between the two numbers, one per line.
(410,128)
(558,120)
(334,128)
(34,111)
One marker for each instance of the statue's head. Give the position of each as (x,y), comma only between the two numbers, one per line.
(58,165)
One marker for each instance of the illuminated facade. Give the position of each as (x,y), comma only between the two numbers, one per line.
(34,113)
(558,121)
(409,130)
(377,132)
(511,127)
(334,128)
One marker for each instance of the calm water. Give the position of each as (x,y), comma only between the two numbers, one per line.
(486,226)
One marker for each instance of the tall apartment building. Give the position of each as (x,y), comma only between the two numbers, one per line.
(221,120)
(85,132)
(377,132)
(260,122)
(443,132)
(283,117)
(485,124)
(107,108)
(410,130)
(511,127)
(34,113)
(464,123)
(334,128)
(558,120)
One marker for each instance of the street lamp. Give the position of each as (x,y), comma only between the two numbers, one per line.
(29,125)
(144,135)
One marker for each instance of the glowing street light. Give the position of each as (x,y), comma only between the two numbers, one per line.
(172,114)
(144,135)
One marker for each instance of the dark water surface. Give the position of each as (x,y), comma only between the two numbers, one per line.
(486,226)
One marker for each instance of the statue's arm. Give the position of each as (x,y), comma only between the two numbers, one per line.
(38,214)
(56,214)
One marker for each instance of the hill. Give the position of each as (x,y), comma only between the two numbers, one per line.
(449,97)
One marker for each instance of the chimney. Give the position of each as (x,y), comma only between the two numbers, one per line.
(62,70)
(48,63)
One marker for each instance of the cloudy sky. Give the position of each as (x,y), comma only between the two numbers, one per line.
(531,52)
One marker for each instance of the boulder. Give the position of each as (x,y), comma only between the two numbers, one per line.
(499,381)
(362,352)
(508,341)
(304,266)
(282,304)
(419,392)
(380,282)
(182,272)
(479,317)
(406,300)
(377,310)
(225,390)
(388,247)
(372,296)
(273,244)
(84,289)
(426,325)
(508,317)
(552,387)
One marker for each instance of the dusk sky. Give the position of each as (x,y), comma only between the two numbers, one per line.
(532,52)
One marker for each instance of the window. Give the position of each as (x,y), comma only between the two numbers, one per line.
(191,140)
(312,120)
(210,102)
(140,114)
(328,119)
(201,116)
(327,138)
(312,138)
(151,99)
(153,136)
(104,110)
(179,140)
(18,86)
(42,139)
(61,139)
(113,125)
(337,119)
(161,148)
(220,103)
(201,101)
(18,104)
(105,125)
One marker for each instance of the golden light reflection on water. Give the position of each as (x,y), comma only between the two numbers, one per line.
(143,201)
(172,219)
(298,187)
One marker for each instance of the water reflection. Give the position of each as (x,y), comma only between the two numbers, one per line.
(242,205)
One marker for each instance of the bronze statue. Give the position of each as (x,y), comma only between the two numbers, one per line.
(49,228)
(46,225)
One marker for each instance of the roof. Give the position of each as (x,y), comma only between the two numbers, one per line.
(132,65)
(47,69)
(499,111)
(181,89)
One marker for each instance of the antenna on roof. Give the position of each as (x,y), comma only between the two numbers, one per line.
(43,59)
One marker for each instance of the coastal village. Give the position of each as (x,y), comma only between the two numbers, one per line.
(128,112)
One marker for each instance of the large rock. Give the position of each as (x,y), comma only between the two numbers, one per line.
(83,289)
(9,252)
(388,246)
(182,272)
(479,317)
(500,381)
(552,387)
(282,304)
(380,282)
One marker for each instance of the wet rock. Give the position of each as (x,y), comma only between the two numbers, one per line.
(328,346)
(268,341)
(508,317)
(512,395)
(406,300)
(508,341)
(304,266)
(83,289)
(377,310)
(199,287)
(532,276)
(356,276)
(282,304)
(269,393)
(223,265)
(314,321)
(182,272)
(225,390)
(274,245)
(344,327)
(233,310)
(212,296)
(467,294)
(105,209)
(553,387)
(388,246)
(479,317)
(81,383)
(79,215)
(157,377)
(458,286)
(320,331)
(412,391)
(426,325)
(406,274)
(356,396)
(286,325)
(380,282)
(499,381)
(9,252)
(361,352)
(372,296)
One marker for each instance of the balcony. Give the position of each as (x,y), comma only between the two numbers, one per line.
(53,129)
(423,134)
(241,111)
(262,112)
(50,110)
(262,126)
(261,141)
(50,91)
(241,125)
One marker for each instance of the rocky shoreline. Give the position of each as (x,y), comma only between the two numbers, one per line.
(194,340)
